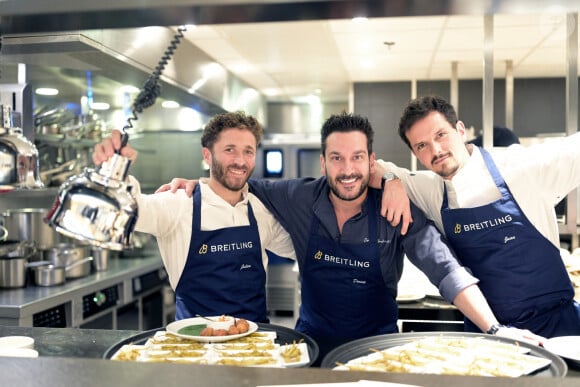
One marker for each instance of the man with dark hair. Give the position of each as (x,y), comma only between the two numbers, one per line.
(214,246)
(497,211)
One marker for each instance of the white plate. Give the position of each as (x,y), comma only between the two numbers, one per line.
(16,342)
(410,297)
(567,347)
(175,326)
(434,293)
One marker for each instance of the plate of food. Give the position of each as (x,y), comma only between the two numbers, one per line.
(567,347)
(280,348)
(458,353)
(214,329)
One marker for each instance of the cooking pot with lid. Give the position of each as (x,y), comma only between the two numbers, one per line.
(64,254)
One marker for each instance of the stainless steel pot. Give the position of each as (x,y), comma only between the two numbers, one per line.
(28,224)
(11,249)
(64,254)
(100,258)
(49,275)
(79,269)
(13,272)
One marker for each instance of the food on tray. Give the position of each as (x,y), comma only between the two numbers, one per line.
(452,356)
(221,326)
(242,325)
(257,349)
(291,353)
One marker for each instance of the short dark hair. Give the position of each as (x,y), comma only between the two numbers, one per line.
(346,122)
(419,108)
(222,121)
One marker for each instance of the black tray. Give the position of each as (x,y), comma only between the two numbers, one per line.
(283,336)
(361,347)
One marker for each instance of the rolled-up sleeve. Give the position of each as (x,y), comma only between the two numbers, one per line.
(454,282)
(427,249)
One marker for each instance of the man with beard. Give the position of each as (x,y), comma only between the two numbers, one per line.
(496,209)
(350,258)
(214,246)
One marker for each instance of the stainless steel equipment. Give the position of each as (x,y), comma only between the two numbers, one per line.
(49,275)
(97,206)
(19,164)
(28,224)
(13,272)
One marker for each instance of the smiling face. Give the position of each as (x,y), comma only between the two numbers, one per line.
(232,159)
(347,164)
(438,145)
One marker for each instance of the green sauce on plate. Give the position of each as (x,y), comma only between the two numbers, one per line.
(192,330)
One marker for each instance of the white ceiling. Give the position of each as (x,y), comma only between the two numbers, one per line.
(287,61)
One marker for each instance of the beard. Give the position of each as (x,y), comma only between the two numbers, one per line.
(448,169)
(348,195)
(219,172)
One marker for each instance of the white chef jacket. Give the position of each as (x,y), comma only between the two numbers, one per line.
(169,218)
(538,176)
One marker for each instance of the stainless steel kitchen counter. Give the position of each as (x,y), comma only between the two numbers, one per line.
(19,306)
(52,371)
(72,357)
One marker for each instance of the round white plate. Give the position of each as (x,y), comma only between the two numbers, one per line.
(410,297)
(567,347)
(175,326)
(16,342)
(434,293)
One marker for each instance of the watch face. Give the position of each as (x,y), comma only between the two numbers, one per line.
(389,176)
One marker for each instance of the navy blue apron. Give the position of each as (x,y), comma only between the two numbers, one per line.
(224,273)
(521,273)
(344,296)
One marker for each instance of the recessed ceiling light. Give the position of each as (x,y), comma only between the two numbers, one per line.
(46,91)
(271,92)
(169,104)
(100,106)
(128,89)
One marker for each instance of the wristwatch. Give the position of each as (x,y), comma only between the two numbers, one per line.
(387,177)
(494,328)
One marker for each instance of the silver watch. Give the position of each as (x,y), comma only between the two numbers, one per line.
(387,177)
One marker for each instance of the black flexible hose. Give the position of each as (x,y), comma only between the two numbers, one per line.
(151,89)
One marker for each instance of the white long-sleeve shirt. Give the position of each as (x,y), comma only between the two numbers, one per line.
(169,218)
(538,176)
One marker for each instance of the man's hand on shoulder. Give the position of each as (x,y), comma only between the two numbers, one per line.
(395,205)
(178,183)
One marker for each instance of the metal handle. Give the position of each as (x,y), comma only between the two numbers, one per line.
(4,231)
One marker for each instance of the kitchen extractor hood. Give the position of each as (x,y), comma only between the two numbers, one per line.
(129,56)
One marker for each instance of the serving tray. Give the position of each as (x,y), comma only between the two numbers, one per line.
(284,335)
(361,347)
